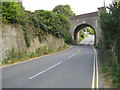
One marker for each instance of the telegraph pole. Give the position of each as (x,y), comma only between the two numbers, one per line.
(104,3)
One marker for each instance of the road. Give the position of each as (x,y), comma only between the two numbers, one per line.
(71,68)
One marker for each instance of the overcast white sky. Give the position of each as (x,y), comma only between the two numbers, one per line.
(78,6)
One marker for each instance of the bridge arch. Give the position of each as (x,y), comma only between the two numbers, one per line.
(86,20)
(79,28)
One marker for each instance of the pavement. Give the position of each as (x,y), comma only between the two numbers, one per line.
(72,68)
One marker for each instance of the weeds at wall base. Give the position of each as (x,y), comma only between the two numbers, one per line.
(15,56)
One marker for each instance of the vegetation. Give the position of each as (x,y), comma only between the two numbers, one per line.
(39,23)
(51,22)
(90,30)
(109,69)
(63,9)
(83,35)
(108,23)
(68,39)
(66,11)
(42,22)
(12,12)
(15,56)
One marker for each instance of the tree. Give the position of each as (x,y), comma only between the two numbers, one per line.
(90,30)
(49,21)
(12,12)
(63,9)
(108,23)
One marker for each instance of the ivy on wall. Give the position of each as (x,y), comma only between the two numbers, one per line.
(42,21)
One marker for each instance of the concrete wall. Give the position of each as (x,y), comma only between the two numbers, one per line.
(13,37)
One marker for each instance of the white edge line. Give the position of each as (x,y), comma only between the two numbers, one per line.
(45,70)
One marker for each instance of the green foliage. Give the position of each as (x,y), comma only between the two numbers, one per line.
(18,55)
(68,39)
(90,30)
(14,55)
(42,50)
(63,9)
(109,66)
(31,55)
(11,12)
(108,24)
(42,22)
(51,22)
(82,34)
(27,36)
(99,46)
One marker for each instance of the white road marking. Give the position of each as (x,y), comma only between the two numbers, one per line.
(78,51)
(45,70)
(71,56)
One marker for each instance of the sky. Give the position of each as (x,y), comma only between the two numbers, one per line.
(77,6)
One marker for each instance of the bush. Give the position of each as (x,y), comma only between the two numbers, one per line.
(68,40)
(109,66)
(63,9)
(42,22)
(12,12)
(51,22)
(109,23)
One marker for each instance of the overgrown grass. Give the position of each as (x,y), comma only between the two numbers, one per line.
(15,56)
(109,68)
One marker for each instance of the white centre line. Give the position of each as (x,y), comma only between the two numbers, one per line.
(71,56)
(78,51)
(45,70)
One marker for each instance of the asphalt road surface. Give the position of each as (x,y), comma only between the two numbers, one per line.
(71,68)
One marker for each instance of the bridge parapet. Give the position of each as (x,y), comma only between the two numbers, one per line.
(93,14)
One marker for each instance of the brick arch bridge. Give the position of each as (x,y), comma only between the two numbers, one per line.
(85,20)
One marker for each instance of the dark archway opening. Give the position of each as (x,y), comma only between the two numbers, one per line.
(84,28)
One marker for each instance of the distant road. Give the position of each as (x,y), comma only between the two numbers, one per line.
(71,68)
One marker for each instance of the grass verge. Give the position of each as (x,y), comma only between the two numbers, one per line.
(110,72)
(15,56)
